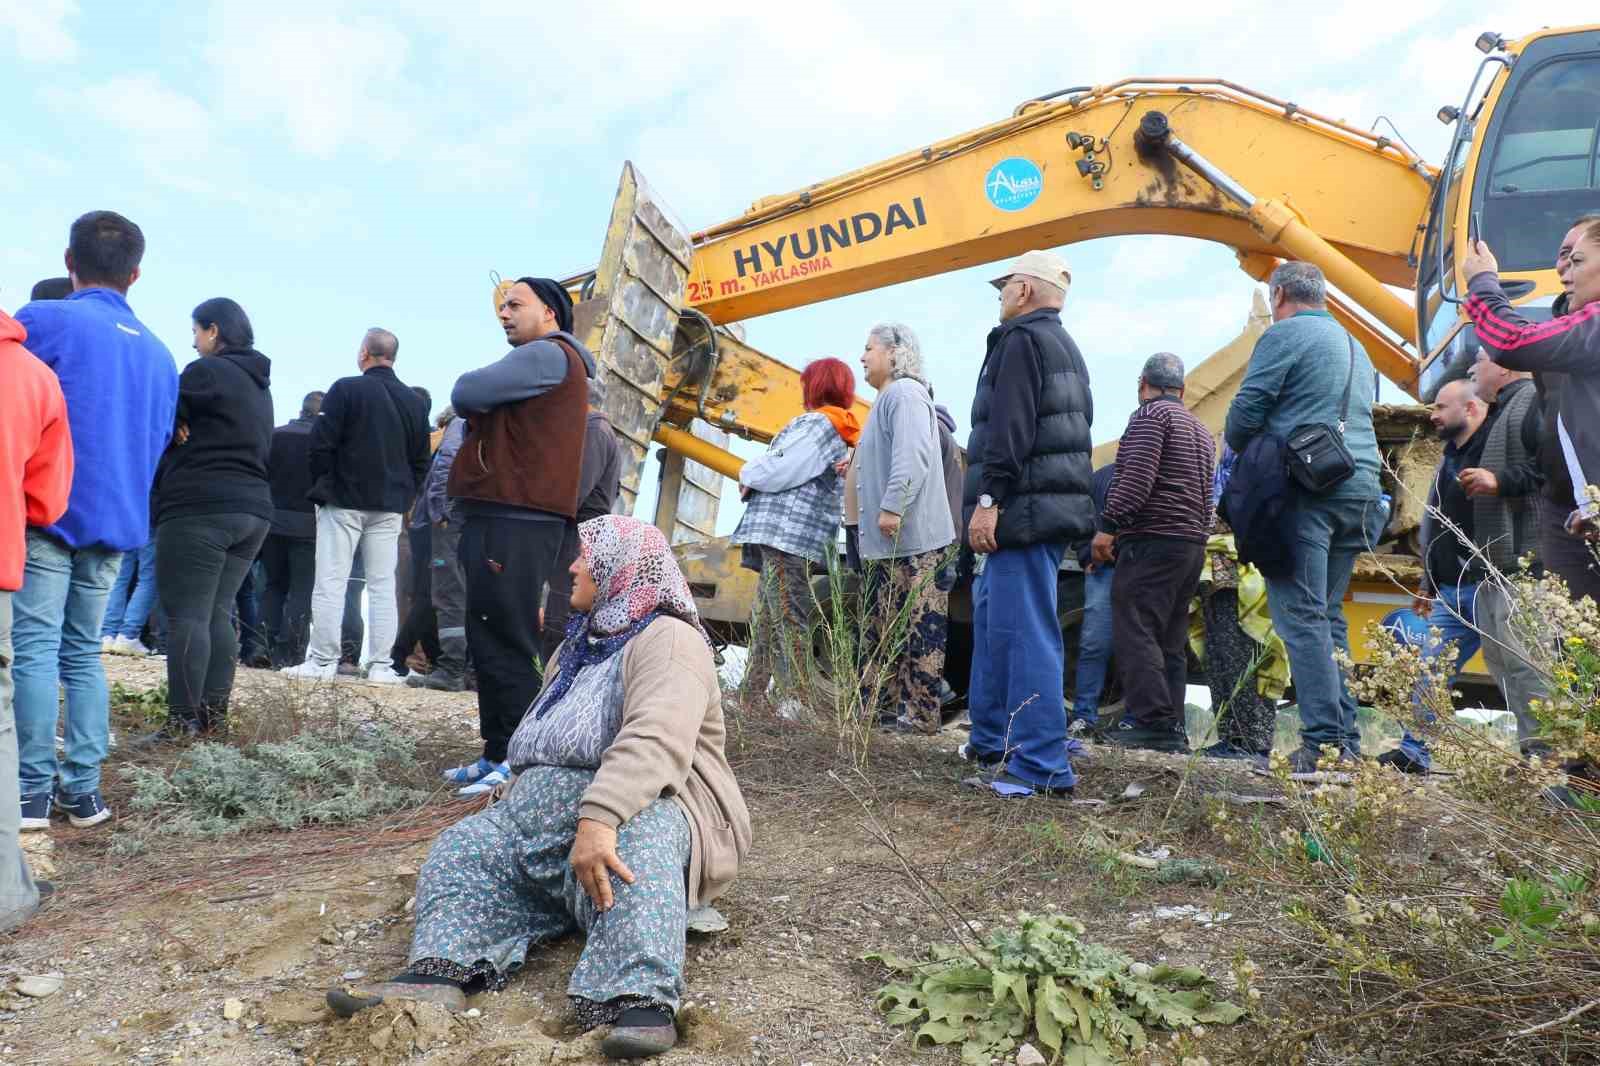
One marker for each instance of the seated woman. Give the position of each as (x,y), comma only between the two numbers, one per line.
(623,806)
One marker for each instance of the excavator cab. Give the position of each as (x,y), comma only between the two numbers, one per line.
(1524,164)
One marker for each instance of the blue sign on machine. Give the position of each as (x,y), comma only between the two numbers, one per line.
(1013,184)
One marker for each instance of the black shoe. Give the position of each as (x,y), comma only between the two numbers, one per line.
(442,681)
(1015,786)
(1306,765)
(1400,760)
(640,1033)
(46,889)
(979,758)
(1170,739)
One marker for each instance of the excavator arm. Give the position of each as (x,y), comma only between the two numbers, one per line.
(1283,182)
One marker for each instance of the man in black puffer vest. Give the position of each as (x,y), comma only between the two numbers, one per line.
(1026,498)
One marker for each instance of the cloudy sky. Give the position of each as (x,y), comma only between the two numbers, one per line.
(337,165)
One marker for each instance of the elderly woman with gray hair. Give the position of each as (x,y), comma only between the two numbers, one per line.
(906,530)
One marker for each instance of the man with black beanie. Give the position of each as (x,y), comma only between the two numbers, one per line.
(517,477)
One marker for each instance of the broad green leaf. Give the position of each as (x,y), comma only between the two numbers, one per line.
(1086,1055)
(890,961)
(1051,1011)
(960,977)
(1186,976)
(957,1007)
(1081,1009)
(1220,1013)
(939,1033)
(1014,985)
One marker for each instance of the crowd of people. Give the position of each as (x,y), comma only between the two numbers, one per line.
(143,503)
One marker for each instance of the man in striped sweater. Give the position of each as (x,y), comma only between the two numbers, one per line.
(1157,517)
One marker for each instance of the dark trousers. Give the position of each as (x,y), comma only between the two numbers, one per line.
(352,631)
(1565,554)
(558,605)
(291,566)
(419,625)
(200,563)
(1156,577)
(247,615)
(507,562)
(449,599)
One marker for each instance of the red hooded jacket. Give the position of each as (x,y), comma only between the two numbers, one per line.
(35,449)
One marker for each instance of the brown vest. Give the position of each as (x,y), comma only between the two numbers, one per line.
(530,453)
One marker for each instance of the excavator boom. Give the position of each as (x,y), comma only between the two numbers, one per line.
(1066,171)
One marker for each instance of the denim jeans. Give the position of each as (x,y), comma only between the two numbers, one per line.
(1015,695)
(19,897)
(56,629)
(1307,609)
(1094,644)
(1455,616)
(134,594)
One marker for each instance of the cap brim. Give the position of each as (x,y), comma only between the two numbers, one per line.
(1000,283)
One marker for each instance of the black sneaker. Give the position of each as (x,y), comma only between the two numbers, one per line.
(1402,761)
(85,809)
(1170,738)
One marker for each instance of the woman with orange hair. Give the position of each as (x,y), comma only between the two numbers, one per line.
(794,499)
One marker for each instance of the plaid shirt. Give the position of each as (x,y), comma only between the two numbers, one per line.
(804,513)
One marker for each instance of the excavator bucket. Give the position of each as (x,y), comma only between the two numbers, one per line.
(628,317)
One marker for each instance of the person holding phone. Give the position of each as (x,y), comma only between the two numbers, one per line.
(1569,345)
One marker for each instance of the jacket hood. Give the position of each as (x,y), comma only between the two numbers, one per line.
(584,353)
(946,419)
(252,362)
(11,329)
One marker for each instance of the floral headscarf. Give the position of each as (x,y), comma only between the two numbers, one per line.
(636,580)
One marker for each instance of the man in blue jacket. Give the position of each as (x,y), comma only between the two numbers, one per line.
(1297,376)
(121,386)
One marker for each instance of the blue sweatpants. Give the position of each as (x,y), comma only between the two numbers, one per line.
(1015,698)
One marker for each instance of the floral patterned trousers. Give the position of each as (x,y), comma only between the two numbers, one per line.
(498,883)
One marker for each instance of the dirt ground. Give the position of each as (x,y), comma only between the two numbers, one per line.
(220,952)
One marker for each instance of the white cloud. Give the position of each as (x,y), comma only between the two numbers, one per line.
(38,28)
(142,105)
(325,80)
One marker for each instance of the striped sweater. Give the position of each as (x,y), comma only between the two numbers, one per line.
(1162,486)
(1567,345)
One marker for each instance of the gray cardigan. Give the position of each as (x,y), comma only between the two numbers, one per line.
(899,469)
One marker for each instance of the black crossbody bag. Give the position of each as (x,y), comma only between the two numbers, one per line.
(1318,459)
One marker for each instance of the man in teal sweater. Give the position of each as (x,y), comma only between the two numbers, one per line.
(1297,376)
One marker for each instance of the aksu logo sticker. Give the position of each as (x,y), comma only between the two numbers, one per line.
(1012,184)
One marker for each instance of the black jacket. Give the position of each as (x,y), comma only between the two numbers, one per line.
(1099,487)
(1030,442)
(1557,481)
(289,473)
(1260,503)
(1446,561)
(225,401)
(601,475)
(369,447)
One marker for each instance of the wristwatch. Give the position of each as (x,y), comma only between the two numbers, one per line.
(986,501)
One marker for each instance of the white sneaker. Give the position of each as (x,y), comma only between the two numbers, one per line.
(383,674)
(129,646)
(106,644)
(312,671)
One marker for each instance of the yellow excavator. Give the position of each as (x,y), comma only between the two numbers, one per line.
(1196,157)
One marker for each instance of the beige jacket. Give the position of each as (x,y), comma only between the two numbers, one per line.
(671,744)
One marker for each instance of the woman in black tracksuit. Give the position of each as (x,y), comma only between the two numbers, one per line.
(213,507)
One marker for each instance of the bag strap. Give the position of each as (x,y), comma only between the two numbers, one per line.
(1349,379)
